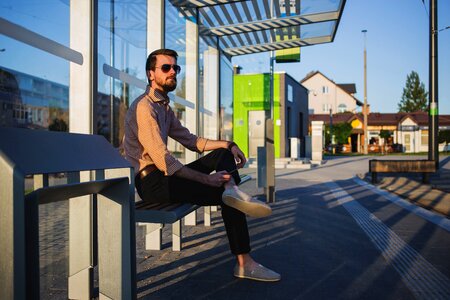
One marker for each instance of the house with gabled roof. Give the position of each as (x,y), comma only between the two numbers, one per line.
(325,95)
(409,130)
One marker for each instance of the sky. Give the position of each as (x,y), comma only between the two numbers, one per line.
(397,42)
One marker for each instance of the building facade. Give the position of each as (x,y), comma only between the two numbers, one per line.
(409,131)
(326,96)
(252,102)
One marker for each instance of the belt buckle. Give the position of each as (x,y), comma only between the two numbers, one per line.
(146,171)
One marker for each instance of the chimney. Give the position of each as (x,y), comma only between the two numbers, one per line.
(237,69)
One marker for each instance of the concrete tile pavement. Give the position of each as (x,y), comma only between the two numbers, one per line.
(310,239)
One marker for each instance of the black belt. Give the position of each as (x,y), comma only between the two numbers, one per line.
(146,170)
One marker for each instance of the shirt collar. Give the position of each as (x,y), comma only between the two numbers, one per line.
(156,96)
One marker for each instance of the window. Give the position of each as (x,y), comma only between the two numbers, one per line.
(326,107)
(290,93)
(325,89)
(424,137)
(342,108)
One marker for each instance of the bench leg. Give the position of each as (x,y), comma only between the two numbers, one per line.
(153,236)
(374,177)
(191,219)
(81,246)
(176,236)
(426,178)
(207,216)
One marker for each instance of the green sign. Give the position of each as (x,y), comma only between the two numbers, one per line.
(287,55)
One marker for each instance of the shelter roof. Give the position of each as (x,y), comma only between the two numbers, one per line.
(244,27)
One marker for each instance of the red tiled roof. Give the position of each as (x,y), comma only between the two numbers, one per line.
(350,88)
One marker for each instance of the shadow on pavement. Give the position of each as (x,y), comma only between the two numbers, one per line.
(310,239)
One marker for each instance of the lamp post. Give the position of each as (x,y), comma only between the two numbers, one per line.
(365,93)
(269,139)
(333,148)
(433,122)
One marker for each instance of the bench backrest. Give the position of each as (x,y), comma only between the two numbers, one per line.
(43,152)
(418,166)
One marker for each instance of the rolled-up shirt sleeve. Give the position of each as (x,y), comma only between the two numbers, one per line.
(153,140)
(182,135)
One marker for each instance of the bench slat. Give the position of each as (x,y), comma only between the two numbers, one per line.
(156,206)
(167,212)
(407,166)
(169,215)
(402,166)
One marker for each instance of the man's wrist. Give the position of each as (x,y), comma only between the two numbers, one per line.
(231,145)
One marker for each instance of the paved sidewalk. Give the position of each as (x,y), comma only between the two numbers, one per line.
(313,242)
(330,237)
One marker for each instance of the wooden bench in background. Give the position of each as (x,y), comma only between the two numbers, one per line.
(156,215)
(402,166)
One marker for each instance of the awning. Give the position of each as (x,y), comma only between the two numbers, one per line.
(244,27)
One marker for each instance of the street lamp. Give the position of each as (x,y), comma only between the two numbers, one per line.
(433,115)
(365,93)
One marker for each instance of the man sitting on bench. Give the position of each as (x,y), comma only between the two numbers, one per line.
(160,177)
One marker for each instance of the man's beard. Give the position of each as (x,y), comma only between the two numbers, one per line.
(168,86)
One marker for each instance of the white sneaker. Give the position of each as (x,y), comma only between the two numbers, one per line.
(257,272)
(246,204)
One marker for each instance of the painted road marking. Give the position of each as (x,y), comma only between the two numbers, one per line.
(430,216)
(420,276)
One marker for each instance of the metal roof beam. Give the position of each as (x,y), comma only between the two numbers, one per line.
(272,23)
(201,3)
(280,45)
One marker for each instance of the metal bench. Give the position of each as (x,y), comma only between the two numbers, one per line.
(402,166)
(102,226)
(156,215)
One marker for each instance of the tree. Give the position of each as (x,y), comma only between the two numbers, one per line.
(414,97)
(444,137)
(58,125)
(342,131)
(385,135)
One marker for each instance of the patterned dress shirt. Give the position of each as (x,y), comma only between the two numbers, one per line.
(148,124)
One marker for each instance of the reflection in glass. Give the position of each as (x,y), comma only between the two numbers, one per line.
(226,99)
(34,90)
(208,56)
(175,39)
(32,102)
(122,31)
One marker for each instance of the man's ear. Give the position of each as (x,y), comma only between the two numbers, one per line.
(151,75)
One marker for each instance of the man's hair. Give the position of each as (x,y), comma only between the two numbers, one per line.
(151,60)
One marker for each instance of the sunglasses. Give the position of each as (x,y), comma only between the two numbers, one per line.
(166,68)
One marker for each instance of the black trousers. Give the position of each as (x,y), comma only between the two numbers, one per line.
(157,188)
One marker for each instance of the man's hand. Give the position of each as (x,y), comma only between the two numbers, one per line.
(218,179)
(239,156)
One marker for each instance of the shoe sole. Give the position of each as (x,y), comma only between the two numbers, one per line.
(251,209)
(257,278)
